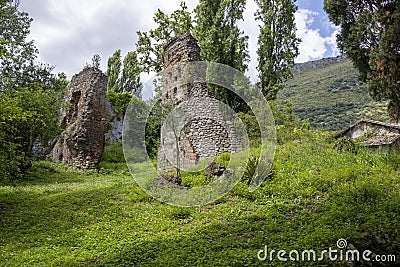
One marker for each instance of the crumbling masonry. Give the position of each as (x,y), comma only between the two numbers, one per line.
(202,137)
(85,121)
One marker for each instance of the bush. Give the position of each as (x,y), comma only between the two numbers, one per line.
(153,129)
(113,153)
(223,159)
(21,123)
(120,101)
(288,126)
(252,128)
(257,168)
(10,159)
(195,179)
(346,144)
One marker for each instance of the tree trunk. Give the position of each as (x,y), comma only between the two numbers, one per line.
(28,154)
(394,110)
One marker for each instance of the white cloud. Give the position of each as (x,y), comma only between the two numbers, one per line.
(331,41)
(313,45)
(69,32)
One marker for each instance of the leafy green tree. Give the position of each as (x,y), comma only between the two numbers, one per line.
(127,78)
(113,71)
(221,40)
(150,44)
(370,37)
(3,50)
(28,114)
(17,59)
(130,78)
(218,33)
(30,95)
(278,44)
(121,86)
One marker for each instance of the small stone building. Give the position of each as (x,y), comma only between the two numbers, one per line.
(209,134)
(85,121)
(385,136)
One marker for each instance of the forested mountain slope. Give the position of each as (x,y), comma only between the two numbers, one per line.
(328,93)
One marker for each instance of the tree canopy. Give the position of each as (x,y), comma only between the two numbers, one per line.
(113,71)
(30,94)
(150,44)
(370,38)
(124,77)
(218,33)
(222,41)
(277,44)
(130,77)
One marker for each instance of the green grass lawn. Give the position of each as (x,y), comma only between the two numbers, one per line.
(316,195)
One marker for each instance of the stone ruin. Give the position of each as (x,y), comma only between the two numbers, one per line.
(85,121)
(203,137)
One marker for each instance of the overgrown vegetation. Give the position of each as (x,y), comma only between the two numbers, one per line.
(317,190)
(316,195)
(30,94)
(119,100)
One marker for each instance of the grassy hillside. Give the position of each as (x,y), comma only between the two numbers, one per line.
(317,195)
(330,95)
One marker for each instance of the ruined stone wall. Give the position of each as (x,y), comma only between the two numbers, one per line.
(180,49)
(85,121)
(203,137)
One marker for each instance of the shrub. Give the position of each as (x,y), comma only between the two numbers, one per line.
(223,159)
(257,168)
(195,179)
(120,101)
(153,129)
(252,128)
(113,153)
(346,144)
(10,159)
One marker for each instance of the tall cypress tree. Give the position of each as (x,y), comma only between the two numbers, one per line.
(130,78)
(113,71)
(277,44)
(221,40)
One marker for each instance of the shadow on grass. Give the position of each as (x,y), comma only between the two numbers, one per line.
(119,225)
(46,173)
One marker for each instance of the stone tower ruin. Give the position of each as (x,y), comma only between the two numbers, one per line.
(203,137)
(85,120)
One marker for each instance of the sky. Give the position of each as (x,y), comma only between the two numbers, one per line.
(69,32)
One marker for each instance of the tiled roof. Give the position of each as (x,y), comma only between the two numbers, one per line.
(381,140)
(379,123)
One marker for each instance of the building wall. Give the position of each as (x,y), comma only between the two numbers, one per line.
(364,128)
(207,136)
